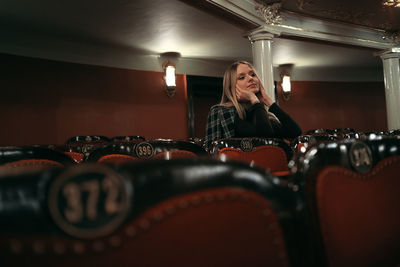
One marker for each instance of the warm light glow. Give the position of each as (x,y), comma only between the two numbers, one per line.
(170,76)
(395,3)
(286,87)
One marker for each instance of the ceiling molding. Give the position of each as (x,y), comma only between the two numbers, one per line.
(299,25)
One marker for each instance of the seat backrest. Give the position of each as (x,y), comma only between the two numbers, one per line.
(124,152)
(321,131)
(84,144)
(31,158)
(98,139)
(76,156)
(128,138)
(197,212)
(341,133)
(267,153)
(394,133)
(176,154)
(197,140)
(301,143)
(175,149)
(352,189)
(117,159)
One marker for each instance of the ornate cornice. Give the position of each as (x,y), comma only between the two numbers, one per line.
(270,11)
(392,36)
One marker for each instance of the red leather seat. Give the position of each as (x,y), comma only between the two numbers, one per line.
(31,158)
(76,156)
(79,147)
(267,153)
(124,152)
(353,191)
(196,212)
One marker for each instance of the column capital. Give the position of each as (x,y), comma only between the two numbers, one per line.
(393,52)
(262,33)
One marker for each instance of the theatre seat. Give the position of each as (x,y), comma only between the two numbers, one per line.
(98,139)
(130,138)
(188,212)
(267,153)
(352,189)
(320,132)
(197,141)
(341,133)
(76,156)
(118,153)
(79,147)
(394,133)
(31,158)
(301,143)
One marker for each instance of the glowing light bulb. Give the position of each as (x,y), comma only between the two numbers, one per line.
(170,76)
(286,87)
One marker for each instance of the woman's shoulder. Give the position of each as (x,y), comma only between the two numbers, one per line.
(219,111)
(223,108)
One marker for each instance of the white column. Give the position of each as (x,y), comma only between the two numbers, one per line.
(391,73)
(261,40)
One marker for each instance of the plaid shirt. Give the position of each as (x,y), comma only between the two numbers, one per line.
(220,124)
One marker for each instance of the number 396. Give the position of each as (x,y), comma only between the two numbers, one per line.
(145,150)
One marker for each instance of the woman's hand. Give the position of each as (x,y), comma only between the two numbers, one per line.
(264,98)
(247,95)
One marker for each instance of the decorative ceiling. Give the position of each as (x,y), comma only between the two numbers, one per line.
(367,13)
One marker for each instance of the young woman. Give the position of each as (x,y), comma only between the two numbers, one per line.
(246,110)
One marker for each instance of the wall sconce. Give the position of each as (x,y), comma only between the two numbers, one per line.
(169,78)
(285,71)
(168,60)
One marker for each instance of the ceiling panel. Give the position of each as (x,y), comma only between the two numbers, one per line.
(157,26)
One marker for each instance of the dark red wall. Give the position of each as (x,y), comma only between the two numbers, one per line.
(47,102)
(358,105)
(329,105)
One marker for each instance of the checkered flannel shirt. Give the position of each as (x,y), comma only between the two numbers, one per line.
(220,124)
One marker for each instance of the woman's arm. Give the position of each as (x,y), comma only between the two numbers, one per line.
(289,128)
(257,123)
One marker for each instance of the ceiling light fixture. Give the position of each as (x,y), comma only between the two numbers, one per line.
(392,3)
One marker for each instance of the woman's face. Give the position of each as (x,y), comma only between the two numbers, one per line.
(246,78)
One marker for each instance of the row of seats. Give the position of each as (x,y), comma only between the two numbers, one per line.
(79,147)
(267,153)
(270,154)
(312,137)
(345,133)
(336,207)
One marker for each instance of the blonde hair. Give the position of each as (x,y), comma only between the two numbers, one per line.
(229,87)
(229,90)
